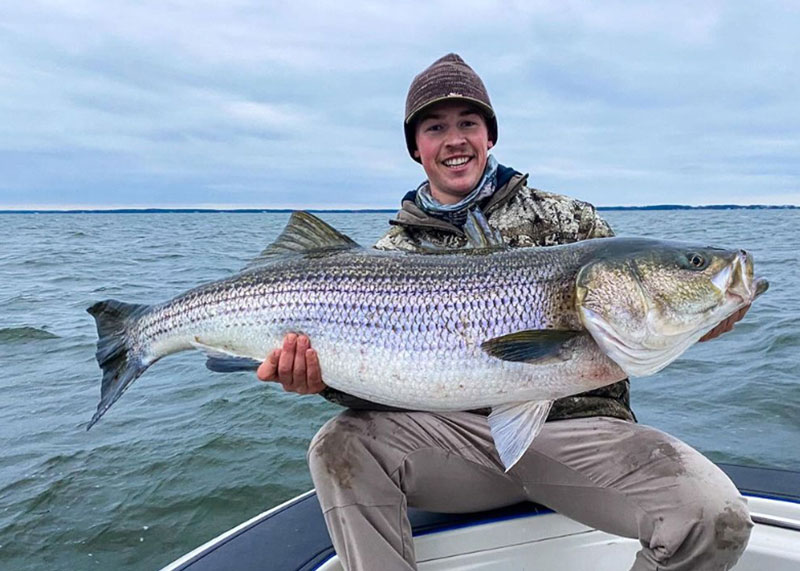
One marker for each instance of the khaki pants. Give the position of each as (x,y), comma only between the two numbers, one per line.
(617,476)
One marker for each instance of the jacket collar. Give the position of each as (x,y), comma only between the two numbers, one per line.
(412,216)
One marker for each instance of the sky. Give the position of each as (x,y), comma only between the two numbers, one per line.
(266,104)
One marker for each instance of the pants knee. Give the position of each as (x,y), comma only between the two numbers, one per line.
(330,451)
(342,452)
(731,528)
(710,535)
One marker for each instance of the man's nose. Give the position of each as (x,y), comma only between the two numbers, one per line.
(455,138)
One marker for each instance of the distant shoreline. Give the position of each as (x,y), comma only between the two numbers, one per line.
(370,210)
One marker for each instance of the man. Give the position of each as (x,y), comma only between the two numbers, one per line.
(591,462)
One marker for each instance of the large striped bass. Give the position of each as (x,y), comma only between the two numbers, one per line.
(510,329)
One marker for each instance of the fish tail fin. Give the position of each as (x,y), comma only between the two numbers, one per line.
(120,363)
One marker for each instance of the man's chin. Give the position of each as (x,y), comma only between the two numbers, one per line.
(456,187)
(461,190)
(460,183)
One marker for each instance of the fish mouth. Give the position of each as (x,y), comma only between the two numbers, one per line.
(738,282)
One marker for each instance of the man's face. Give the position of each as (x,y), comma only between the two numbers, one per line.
(453,144)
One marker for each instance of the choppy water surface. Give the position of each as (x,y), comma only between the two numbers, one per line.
(187,453)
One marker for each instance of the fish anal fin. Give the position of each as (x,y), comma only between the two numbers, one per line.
(304,235)
(531,345)
(514,426)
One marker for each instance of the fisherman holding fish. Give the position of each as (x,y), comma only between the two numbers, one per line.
(591,462)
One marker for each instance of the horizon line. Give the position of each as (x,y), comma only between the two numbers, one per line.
(200,210)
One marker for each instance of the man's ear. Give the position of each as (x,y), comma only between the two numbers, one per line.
(416,153)
(490,145)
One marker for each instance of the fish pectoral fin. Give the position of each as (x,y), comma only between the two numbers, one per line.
(529,346)
(221,361)
(304,235)
(514,426)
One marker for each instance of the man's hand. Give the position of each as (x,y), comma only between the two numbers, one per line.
(726,325)
(295,366)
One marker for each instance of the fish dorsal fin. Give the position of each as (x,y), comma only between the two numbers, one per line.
(514,426)
(304,235)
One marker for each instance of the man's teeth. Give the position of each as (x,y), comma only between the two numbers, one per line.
(457,162)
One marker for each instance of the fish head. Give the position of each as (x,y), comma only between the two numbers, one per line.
(646,301)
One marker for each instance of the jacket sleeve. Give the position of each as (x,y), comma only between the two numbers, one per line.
(355,403)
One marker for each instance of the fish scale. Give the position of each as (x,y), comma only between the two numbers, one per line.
(427,320)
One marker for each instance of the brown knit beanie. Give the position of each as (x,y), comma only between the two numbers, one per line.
(449,77)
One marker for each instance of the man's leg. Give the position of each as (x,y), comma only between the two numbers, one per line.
(368,467)
(636,481)
(621,477)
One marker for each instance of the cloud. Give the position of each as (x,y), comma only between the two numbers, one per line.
(300,104)
(282,117)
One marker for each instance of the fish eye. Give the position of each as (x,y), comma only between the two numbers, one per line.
(696,261)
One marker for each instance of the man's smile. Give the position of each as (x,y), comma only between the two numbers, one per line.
(455,162)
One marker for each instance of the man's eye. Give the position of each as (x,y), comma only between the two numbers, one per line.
(433,128)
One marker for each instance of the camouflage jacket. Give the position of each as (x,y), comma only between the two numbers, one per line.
(524,217)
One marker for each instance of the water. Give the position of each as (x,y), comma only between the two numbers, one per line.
(187,454)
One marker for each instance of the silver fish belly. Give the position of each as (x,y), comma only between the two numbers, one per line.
(400,330)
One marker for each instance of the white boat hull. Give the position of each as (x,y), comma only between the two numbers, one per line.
(552,541)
